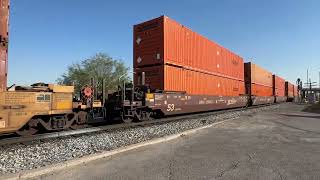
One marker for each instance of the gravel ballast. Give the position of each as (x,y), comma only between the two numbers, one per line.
(18,157)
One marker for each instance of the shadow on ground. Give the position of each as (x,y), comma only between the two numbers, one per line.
(315,108)
(302,116)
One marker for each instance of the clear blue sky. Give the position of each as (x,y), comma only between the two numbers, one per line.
(48,35)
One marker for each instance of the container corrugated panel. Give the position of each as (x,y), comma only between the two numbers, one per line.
(261,76)
(164,41)
(289,89)
(260,90)
(4,24)
(259,82)
(154,76)
(279,86)
(171,78)
(148,43)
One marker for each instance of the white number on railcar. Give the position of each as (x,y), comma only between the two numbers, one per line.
(170,107)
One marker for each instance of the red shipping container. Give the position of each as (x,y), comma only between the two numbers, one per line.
(163,41)
(259,81)
(4,25)
(171,78)
(279,86)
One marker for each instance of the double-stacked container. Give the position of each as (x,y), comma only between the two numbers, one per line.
(259,84)
(4,25)
(174,58)
(289,91)
(279,89)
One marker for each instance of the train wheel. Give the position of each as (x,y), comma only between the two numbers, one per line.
(126,119)
(29,129)
(81,120)
(144,116)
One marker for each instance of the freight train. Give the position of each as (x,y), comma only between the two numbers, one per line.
(176,71)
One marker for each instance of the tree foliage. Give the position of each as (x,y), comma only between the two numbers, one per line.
(100,67)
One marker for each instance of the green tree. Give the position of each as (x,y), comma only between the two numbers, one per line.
(100,67)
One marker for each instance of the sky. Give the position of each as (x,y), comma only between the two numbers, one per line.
(46,36)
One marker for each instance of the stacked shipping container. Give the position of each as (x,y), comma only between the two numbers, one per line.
(259,81)
(174,58)
(279,86)
(279,89)
(4,20)
(259,84)
(289,90)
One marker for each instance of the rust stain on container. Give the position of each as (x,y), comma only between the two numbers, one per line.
(259,82)
(278,86)
(163,41)
(4,33)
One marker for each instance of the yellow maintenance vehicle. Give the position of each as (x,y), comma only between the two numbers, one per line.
(26,110)
(23,108)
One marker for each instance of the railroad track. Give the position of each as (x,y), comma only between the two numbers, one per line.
(39,137)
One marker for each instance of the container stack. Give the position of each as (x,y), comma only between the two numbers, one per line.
(289,91)
(258,80)
(279,89)
(174,58)
(4,25)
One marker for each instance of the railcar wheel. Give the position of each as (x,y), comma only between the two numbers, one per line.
(81,120)
(29,129)
(126,119)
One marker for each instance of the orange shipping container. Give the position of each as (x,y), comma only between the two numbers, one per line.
(260,90)
(289,89)
(163,41)
(172,78)
(259,81)
(279,86)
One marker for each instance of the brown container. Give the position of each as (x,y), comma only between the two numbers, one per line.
(278,86)
(172,78)
(259,82)
(163,41)
(289,89)
(4,24)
